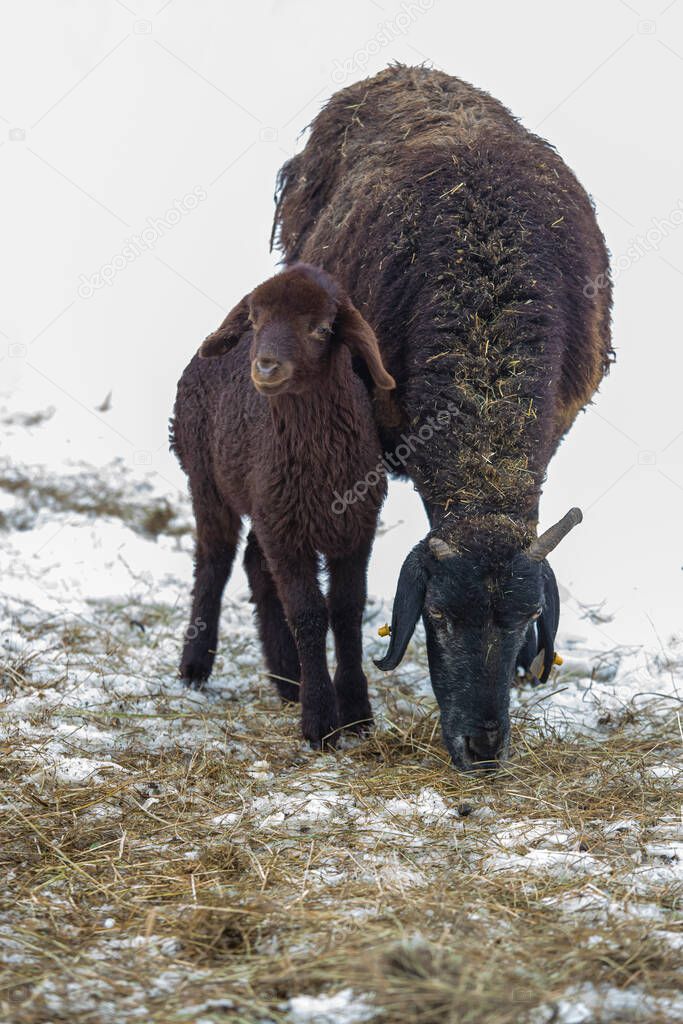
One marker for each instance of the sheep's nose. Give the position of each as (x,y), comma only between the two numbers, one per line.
(485,745)
(266,367)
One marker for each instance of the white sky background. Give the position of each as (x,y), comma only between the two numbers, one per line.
(110,112)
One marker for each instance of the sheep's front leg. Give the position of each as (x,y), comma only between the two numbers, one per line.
(306,610)
(346,599)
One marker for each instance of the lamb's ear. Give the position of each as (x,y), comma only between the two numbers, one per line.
(353,330)
(229,332)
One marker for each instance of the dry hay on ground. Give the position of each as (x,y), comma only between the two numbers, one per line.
(179,857)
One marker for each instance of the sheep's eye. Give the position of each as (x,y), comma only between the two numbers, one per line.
(536,615)
(434,613)
(322,332)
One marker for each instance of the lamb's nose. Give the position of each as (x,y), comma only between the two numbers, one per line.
(485,744)
(266,367)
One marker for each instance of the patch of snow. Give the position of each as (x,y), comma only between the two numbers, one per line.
(673,939)
(344,1007)
(226,819)
(543,833)
(72,771)
(293,810)
(260,771)
(665,851)
(482,813)
(588,1003)
(622,825)
(598,907)
(646,876)
(427,805)
(666,771)
(389,872)
(565,864)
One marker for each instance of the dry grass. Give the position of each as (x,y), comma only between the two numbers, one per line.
(123,891)
(90,493)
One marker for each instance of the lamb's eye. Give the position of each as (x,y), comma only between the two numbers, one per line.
(321,332)
(536,615)
(434,613)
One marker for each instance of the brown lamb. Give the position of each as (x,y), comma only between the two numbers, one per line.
(271,421)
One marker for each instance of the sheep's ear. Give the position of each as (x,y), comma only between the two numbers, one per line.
(356,332)
(229,332)
(408,603)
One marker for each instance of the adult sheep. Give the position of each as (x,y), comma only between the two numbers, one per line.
(474,253)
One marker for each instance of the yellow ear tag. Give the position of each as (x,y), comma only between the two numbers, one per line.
(384,630)
(558,660)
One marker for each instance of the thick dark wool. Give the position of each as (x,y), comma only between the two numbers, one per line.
(284,460)
(468,245)
(280,461)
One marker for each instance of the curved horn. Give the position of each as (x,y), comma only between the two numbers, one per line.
(440,549)
(543,545)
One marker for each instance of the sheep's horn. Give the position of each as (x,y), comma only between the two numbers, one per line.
(439,548)
(543,545)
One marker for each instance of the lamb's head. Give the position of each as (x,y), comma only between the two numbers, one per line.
(298,320)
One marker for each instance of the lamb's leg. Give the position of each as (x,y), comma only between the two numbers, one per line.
(296,577)
(217,537)
(346,599)
(276,637)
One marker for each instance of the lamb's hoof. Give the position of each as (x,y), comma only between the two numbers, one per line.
(357,719)
(321,730)
(353,704)
(289,692)
(194,672)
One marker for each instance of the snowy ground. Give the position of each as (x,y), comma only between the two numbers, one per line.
(173,856)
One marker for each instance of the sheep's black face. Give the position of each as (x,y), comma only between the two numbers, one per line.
(476,622)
